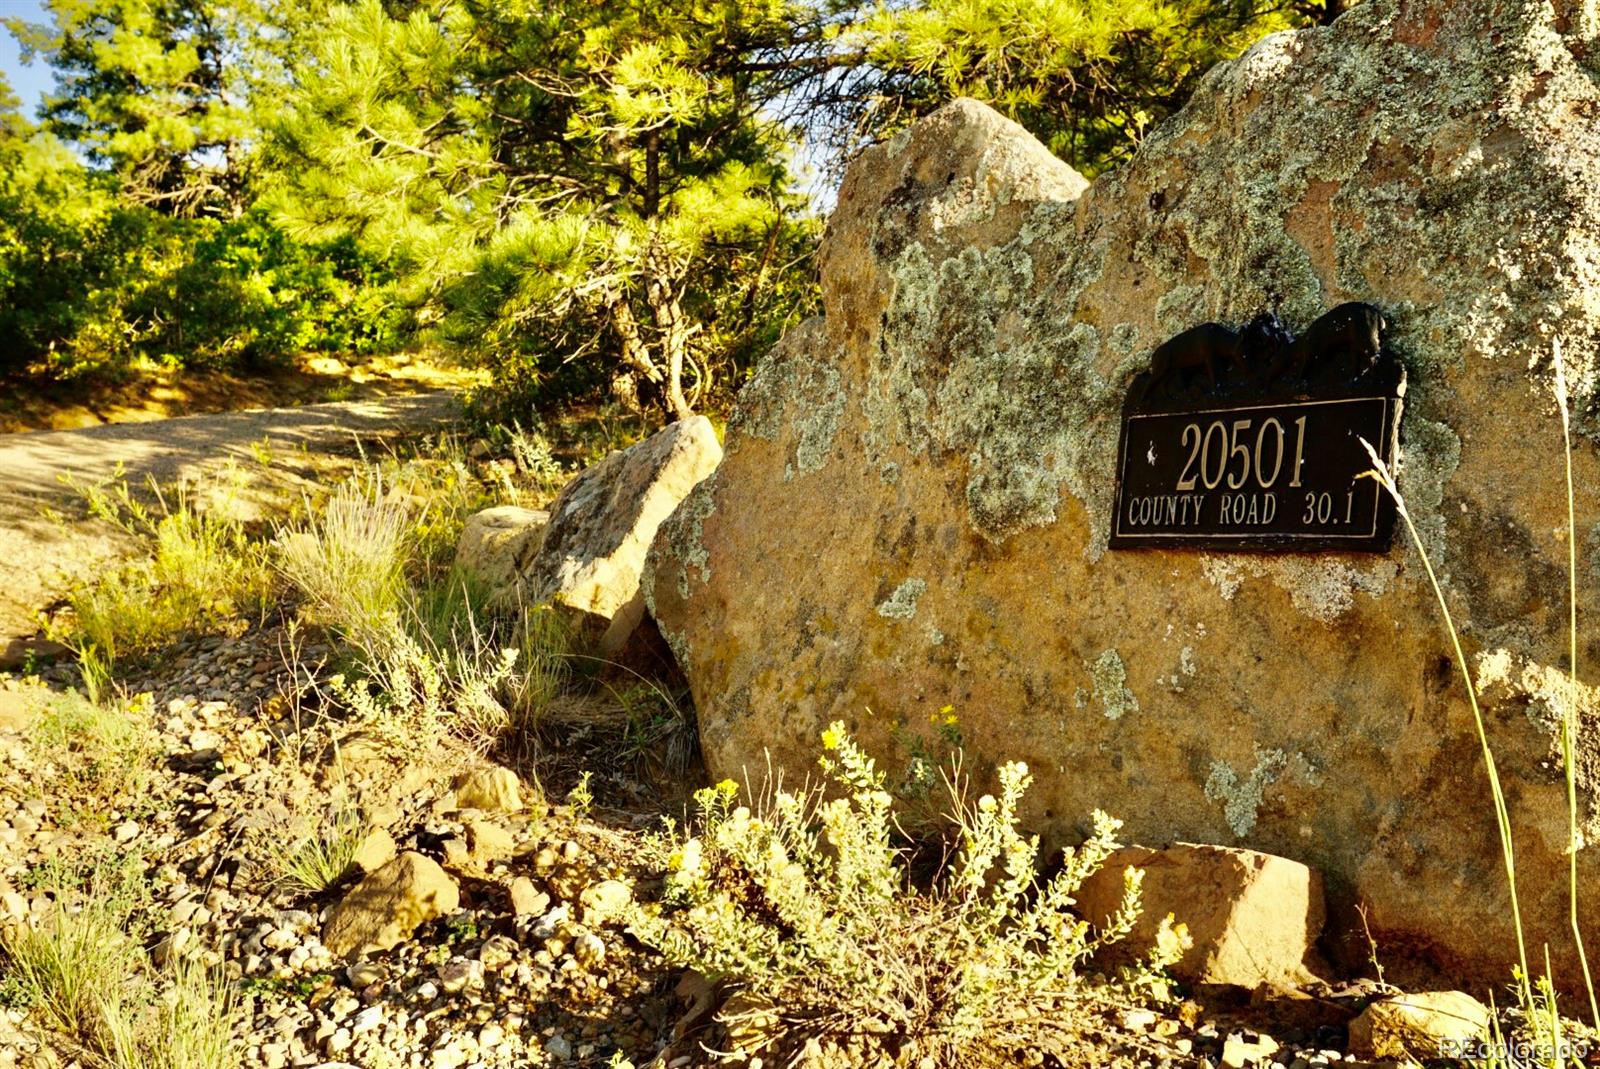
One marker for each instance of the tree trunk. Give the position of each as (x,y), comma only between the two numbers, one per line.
(663,291)
(635,354)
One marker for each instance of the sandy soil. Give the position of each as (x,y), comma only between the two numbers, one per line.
(41,555)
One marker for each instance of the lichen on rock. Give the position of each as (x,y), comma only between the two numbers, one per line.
(1241,798)
(902,603)
(1111,685)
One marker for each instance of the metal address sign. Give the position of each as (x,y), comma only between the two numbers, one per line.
(1251,440)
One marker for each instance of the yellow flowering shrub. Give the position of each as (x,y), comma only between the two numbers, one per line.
(805,911)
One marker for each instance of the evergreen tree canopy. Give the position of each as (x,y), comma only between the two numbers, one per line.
(1087,77)
(561,179)
(164,92)
(585,194)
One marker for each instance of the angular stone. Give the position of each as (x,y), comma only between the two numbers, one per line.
(526,899)
(602,525)
(495,789)
(385,908)
(376,849)
(1241,1051)
(916,495)
(489,841)
(20,705)
(1254,917)
(1425,1026)
(498,544)
(605,901)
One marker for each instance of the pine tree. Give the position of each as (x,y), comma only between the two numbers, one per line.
(162,92)
(1087,77)
(584,191)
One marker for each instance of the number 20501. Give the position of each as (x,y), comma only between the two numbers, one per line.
(1229,452)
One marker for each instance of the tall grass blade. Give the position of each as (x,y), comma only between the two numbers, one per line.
(1380,472)
(1569,724)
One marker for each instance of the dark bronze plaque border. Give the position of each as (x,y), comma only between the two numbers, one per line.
(1377,540)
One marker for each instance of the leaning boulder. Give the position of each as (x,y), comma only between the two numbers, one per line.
(498,544)
(603,523)
(915,504)
(384,909)
(1254,918)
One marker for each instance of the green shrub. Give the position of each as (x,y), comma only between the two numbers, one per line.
(807,911)
(104,752)
(348,562)
(244,292)
(91,282)
(202,572)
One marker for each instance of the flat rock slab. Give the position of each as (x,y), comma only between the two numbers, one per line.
(602,523)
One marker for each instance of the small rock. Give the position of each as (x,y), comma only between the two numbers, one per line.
(527,900)
(547,925)
(385,908)
(495,789)
(280,939)
(489,841)
(205,740)
(459,974)
(1423,1026)
(14,907)
(375,850)
(1138,1020)
(589,949)
(497,952)
(558,1047)
(364,974)
(605,901)
(1242,1049)
(125,832)
(457,854)
(338,1042)
(449,1055)
(495,542)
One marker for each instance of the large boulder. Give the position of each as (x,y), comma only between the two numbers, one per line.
(914,506)
(602,525)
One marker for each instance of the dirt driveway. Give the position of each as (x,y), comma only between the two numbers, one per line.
(41,557)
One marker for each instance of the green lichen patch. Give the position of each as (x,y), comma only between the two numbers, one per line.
(1110,678)
(902,603)
(1241,798)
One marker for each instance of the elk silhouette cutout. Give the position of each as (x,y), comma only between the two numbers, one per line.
(1343,348)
